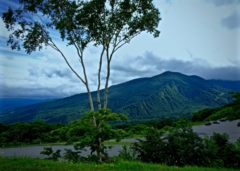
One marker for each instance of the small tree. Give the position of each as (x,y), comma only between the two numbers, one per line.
(94,136)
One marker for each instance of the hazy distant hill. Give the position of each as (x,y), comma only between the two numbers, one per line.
(11,103)
(232,85)
(168,94)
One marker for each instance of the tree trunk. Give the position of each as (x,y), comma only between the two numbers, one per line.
(106,85)
(99,80)
(99,150)
(90,99)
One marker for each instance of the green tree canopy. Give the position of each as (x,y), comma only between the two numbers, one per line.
(94,136)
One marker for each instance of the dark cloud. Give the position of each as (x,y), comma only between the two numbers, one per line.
(219,3)
(150,65)
(146,65)
(33,91)
(36,71)
(232,21)
(62,73)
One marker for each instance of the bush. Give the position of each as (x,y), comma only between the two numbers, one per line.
(37,141)
(225,149)
(183,147)
(150,149)
(128,153)
(73,156)
(52,155)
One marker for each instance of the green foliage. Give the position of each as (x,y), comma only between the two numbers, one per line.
(93,136)
(73,156)
(202,114)
(51,155)
(150,149)
(47,151)
(236,96)
(38,132)
(184,147)
(128,153)
(138,129)
(230,111)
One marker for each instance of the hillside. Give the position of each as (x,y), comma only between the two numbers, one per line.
(229,111)
(168,94)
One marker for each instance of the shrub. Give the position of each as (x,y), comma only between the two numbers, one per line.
(52,155)
(225,149)
(150,149)
(73,156)
(183,147)
(37,141)
(128,153)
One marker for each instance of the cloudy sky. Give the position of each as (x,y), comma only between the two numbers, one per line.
(198,37)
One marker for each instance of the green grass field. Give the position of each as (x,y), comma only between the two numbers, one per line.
(31,164)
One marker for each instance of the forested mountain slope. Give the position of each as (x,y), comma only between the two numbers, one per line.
(168,94)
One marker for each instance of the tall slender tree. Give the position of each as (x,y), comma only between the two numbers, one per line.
(109,24)
(114,23)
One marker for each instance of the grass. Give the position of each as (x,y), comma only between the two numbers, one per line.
(29,164)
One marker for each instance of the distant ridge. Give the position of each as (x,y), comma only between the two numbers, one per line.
(11,103)
(232,85)
(170,94)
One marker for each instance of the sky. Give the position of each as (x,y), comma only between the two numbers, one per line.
(198,37)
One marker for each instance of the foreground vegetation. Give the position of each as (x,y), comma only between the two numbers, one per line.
(29,164)
(180,147)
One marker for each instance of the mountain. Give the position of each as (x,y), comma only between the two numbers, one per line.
(11,103)
(232,85)
(169,94)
